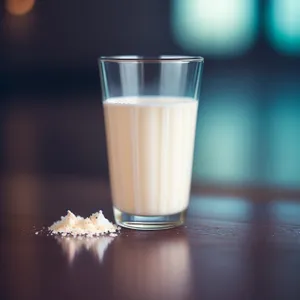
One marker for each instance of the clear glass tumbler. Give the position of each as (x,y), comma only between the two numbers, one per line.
(150,110)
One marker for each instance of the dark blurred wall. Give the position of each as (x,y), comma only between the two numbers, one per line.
(59,41)
(64,38)
(249,117)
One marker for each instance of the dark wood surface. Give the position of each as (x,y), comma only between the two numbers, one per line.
(237,244)
(240,241)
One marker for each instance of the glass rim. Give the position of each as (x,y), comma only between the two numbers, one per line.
(150,59)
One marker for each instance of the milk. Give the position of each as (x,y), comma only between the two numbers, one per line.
(150,150)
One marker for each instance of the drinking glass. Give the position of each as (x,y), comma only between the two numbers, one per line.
(150,111)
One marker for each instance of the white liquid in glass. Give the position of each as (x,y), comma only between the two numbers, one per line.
(150,151)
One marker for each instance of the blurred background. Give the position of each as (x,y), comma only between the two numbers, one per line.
(247,152)
(249,119)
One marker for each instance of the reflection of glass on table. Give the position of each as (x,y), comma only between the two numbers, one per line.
(152,267)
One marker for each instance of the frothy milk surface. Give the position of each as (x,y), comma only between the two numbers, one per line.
(150,149)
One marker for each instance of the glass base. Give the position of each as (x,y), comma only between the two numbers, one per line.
(148,222)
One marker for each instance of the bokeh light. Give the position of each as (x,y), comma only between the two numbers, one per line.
(286,211)
(283,26)
(284,141)
(19,7)
(215,27)
(221,207)
(225,137)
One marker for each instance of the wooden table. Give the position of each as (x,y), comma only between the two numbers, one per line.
(238,243)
